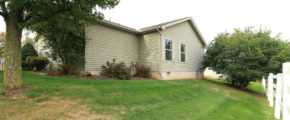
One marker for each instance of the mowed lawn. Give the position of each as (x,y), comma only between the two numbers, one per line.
(49,98)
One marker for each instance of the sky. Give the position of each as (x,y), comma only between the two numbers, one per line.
(211,16)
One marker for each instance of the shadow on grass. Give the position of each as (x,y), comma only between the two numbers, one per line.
(225,84)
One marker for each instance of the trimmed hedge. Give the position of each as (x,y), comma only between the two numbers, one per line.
(37,63)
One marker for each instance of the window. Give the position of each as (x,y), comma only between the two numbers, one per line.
(168,50)
(182,52)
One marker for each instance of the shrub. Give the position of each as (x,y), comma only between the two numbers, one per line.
(246,56)
(142,71)
(116,70)
(69,69)
(36,62)
(26,66)
(28,50)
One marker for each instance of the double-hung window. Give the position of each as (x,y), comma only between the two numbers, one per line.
(168,50)
(182,53)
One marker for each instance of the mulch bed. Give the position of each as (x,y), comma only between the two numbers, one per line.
(88,76)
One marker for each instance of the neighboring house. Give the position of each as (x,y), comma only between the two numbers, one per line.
(41,48)
(44,51)
(173,50)
(2,62)
(209,73)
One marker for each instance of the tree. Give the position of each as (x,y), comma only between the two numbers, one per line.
(33,14)
(2,44)
(29,40)
(246,55)
(69,45)
(28,50)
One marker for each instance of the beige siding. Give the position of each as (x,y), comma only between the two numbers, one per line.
(149,54)
(105,43)
(182,34)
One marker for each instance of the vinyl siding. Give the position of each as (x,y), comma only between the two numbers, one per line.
(104,43)
(182,34)
(149,54)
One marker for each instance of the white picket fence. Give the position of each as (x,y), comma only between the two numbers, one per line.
(278,88)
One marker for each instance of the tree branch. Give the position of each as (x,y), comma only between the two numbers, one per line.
(27,19)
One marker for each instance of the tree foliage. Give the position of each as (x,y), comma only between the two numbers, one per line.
(28,50)
(36,15)
(246,55)
(69,46)
(29,40)
(67,41)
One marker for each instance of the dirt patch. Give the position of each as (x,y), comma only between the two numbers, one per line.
(234,97)
(227,90)
(117,94)
(55,108)
(215,89)
(16,93)
(84,113)
(71,110)
(124,110)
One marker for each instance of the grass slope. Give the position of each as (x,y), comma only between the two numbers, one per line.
(69,98)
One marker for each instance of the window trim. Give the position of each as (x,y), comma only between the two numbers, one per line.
(184,52)
(171,49)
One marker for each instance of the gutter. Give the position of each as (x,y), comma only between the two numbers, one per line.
(160,50)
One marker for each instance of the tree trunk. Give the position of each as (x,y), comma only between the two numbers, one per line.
(12,68)
(244,85)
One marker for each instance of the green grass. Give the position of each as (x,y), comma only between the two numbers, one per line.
(257,86)
(63,98)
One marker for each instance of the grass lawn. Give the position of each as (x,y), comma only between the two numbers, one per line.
(69,98)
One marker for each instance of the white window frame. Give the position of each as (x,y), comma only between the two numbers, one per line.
(184,52)
(171,49)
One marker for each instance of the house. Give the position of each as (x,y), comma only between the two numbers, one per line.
(2,61)
(209,73)
(173,50)
(44,51)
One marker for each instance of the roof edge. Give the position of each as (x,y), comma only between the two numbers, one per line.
(194,26)
(154,28)
(118,26)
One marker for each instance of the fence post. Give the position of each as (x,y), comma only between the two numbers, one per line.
(286,91)
(264,82)
(270,90)
(278,96)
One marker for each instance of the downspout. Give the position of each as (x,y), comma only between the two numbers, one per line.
(160,52)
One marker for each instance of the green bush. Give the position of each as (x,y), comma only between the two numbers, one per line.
(246,56)
(28,50)
(26,66)
(39,63)
(142,71)
(116,70)
(69,69)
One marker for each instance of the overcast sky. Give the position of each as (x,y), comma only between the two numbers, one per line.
(211,16)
